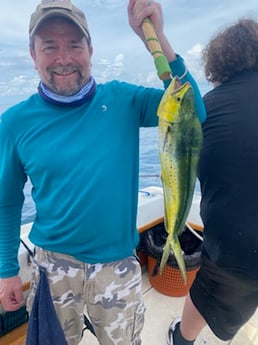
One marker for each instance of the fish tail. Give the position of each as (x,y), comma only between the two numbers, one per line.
(165,256)
(176,247)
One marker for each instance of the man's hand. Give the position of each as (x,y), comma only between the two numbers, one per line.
(138,10)
(11,294)
(141,9)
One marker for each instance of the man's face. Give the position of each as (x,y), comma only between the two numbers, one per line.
(61,56)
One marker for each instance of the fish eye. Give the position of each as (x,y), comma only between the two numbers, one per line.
(178,99)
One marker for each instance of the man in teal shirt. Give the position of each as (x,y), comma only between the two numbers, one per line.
(78,142)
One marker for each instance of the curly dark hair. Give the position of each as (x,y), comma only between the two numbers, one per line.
(232,50)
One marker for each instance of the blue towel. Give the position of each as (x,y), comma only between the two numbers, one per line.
(44,327)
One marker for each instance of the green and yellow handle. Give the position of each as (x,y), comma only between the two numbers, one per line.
(160,60)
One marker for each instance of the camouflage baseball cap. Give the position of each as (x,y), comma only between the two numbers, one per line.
(63,8)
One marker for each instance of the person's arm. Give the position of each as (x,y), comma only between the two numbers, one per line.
(180,70)
(138,10)
(12,180)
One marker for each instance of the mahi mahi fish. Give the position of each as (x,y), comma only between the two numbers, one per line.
(180,139)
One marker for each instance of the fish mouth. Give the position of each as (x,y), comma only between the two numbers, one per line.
(177,85)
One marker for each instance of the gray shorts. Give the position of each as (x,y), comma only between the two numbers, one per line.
(110,293)
(225,300)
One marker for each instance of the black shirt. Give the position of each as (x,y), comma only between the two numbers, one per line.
(228,173)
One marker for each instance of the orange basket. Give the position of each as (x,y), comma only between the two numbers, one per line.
(170,282)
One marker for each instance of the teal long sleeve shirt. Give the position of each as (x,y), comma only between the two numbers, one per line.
(83,163)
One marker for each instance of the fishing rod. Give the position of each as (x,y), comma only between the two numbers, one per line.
(160,60)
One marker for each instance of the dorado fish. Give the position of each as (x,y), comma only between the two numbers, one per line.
(180,138)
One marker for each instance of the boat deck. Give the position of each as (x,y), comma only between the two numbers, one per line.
(162,309)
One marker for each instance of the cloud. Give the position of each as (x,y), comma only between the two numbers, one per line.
(193,61)
(105,70)
(196,50)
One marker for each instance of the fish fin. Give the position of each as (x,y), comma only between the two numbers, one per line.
(174,246)
(177,250)
(165,256)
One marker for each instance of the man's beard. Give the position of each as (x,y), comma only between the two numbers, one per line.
(75,85)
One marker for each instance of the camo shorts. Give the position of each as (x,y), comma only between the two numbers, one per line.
(110,293)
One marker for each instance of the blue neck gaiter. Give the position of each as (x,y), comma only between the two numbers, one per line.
(81,97)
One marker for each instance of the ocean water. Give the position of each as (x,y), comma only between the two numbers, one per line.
(149,170)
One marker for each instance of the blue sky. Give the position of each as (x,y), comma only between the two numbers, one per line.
(118,52)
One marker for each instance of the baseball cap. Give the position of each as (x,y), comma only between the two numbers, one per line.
(63,8)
